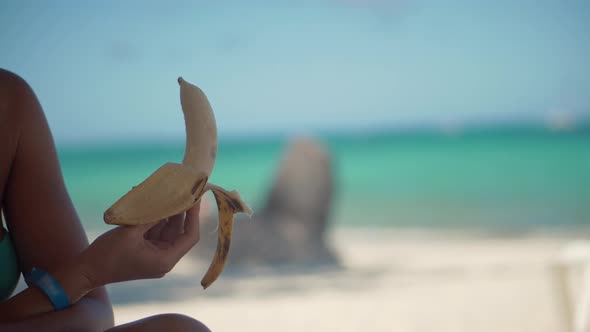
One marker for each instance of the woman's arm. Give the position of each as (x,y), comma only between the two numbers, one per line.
(76,318)
(40,215)
(48,235)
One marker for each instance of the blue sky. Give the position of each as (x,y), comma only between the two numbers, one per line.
(107,70)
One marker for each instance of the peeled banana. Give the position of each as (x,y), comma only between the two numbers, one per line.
(175,188)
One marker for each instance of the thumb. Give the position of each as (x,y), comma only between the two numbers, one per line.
(143,228)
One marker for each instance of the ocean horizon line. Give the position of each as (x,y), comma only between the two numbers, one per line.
(482,130)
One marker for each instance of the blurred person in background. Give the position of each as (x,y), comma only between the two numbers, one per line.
(44,232)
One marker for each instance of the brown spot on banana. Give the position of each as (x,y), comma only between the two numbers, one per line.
(199,188)
(228,204)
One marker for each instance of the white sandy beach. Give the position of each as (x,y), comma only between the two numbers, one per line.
(391,281)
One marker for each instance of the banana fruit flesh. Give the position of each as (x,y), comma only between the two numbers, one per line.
(175,188)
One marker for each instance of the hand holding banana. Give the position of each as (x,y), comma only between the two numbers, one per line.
(175,188)
(139,252)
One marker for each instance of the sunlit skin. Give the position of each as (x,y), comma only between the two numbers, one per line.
(47,233)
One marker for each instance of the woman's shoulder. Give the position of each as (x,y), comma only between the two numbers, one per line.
(14,92)
(12,82)
(8,78)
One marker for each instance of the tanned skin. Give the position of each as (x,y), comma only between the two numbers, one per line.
(47,232)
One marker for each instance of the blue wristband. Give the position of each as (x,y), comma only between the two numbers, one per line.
(49,286)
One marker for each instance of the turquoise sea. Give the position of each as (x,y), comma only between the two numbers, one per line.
(493,179)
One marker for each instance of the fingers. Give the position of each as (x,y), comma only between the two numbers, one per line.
(155,231)
(173,228)
(192,219)
(178,221)
(191,234)
(169,229)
